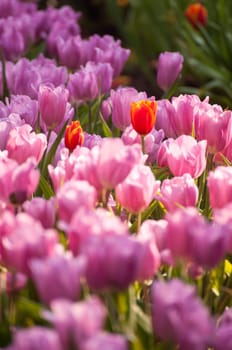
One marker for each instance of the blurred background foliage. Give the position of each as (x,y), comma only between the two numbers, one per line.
(149,27)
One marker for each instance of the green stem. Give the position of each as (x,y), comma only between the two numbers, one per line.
(6,92)
(143,143)
(89,117)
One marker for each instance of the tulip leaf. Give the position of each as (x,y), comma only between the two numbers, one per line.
(45,187)
(106,130)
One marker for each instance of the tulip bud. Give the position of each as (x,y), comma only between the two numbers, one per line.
(196,14)
(143,116)
(74,135)
(169,66)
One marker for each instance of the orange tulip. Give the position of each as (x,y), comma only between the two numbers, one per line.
(74,135)
(196,14)
(143,116)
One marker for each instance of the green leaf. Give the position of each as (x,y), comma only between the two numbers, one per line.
(45,187)
(106,130)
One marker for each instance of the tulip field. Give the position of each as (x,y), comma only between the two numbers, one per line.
(115,205)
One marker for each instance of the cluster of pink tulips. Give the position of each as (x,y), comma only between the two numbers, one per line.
(115,207)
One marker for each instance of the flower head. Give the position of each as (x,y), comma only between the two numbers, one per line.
(196,14)
(74,135)
(143,116)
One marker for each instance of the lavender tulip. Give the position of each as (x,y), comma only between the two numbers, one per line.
(169,67)
(58,276)
(179,316)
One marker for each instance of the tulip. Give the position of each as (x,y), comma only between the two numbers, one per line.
(178,191)
(77,322)
(183,155)
(52,105)
(179,316)
(74,135)
(58,276)
(28,339)
(23,143)
(73,195)
(143,116)
(103,340)
(196,14)
(119,101)
(137,191)
(220,182)
(115,161)
(169,66)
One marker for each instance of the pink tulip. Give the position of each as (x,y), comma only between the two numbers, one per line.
(178,192)
(148,257)
(86,222)
(6,125)
(219,183)
(52,105)
(137,191)
(42,210)
(223,217)
(183,118)
(183,155)
(23,143)
(20,245)
(72,196)
(169,67)
(213,125)
(115,161)
(120,100)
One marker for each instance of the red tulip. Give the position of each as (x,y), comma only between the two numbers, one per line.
(196,14)
(143,116)
(74,135)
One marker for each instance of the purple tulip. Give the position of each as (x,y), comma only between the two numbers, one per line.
(77,322)
(179,316)
(169,67)
(90,81)
(103,340)
(25,107)
(28,339)
(58,276)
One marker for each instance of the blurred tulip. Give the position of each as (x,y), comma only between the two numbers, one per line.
(196,14)
(169,66)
